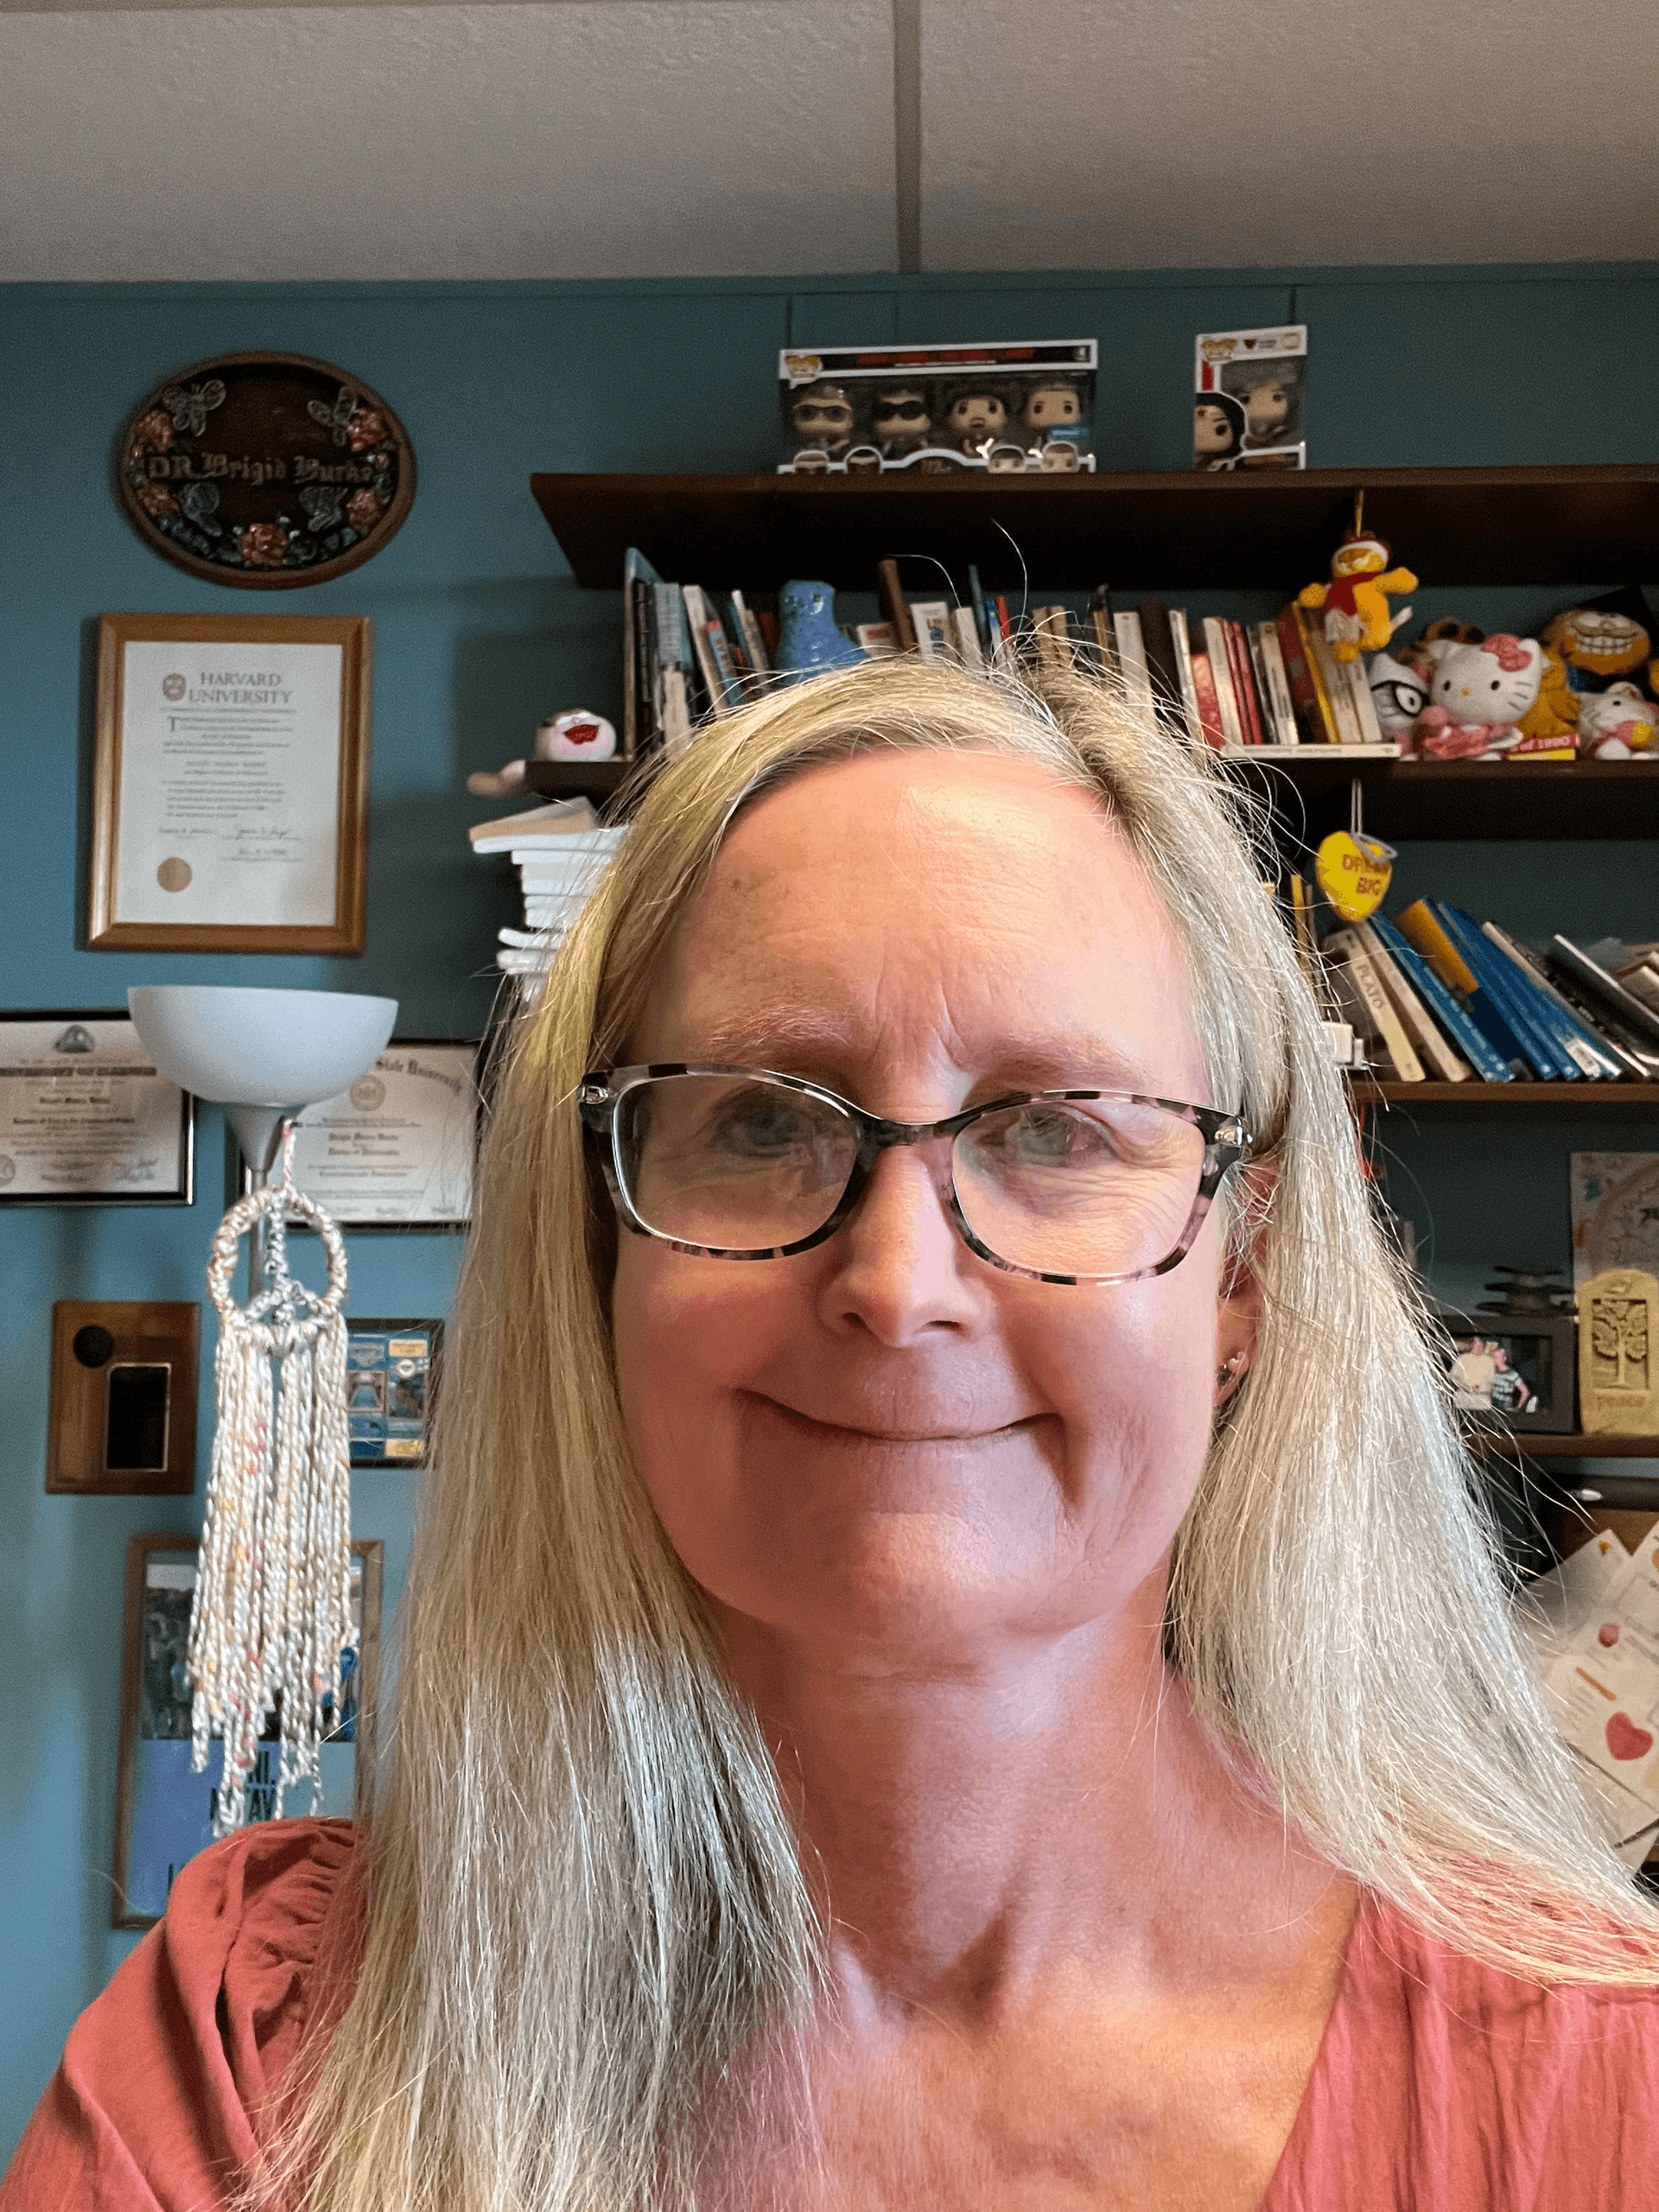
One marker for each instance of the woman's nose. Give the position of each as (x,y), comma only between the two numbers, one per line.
(902,1270)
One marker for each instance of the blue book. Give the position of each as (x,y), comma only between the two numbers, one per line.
(1492,972)
(1458,1025)
(1592,1053)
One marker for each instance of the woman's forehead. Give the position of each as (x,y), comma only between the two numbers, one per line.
(971,904)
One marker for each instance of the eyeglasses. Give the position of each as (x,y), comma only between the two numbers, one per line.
(1064,1186)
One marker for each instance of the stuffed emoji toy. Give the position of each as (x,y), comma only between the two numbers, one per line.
(1597,646)
(1355,602)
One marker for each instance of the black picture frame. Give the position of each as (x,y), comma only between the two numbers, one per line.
(178,1188)
(1538,1351)
(380,1350)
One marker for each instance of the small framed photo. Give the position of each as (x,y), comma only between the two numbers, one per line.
(164,1812)
(397,1150)
(392,1376)
(231,784)
(1521,1373)
(85,1120)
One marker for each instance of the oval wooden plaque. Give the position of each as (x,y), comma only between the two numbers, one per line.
(265,471)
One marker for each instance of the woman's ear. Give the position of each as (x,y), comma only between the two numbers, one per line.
(1239,1304)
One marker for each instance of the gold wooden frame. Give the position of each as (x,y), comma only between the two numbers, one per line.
(370,1551)
(355,635)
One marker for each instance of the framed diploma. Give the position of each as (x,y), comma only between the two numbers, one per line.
(395,1151)
(391,1371)
(164,1812)
(85,1120)
(230,788)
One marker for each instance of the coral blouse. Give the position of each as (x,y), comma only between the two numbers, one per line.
(1440,2085)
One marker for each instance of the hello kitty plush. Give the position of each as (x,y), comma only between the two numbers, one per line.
(1618,723)
(1478,695)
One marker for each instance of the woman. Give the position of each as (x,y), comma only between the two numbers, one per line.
(915,1691)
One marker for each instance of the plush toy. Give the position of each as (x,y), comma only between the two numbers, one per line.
(1615,723)
(577,735)
(1399,693)
(1355,602)
(808,640)
(1597,646)
(1553,715)
(1478,694)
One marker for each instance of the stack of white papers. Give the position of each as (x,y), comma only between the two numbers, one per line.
(560,852)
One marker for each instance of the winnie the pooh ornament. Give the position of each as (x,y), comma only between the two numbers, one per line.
(1355,601)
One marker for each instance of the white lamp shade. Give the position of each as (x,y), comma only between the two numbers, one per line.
(259,1047)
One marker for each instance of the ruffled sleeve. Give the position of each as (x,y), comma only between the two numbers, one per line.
(154,2104)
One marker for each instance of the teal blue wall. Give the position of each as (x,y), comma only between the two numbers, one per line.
(478,632)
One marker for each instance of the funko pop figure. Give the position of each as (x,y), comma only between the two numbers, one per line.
(1004,460)
(975,419)
(823,418)
(1052,410)
(811,460)
(864,461)
(1217,431)
(900,421)
(1057,457)
(1269,392)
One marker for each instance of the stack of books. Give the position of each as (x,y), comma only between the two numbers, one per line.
(561,852)
(687,656)
(1439,996)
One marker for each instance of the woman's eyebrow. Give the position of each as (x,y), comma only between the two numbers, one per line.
(777,1036)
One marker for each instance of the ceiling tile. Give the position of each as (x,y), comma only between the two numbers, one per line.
(1139,134)
(650,139)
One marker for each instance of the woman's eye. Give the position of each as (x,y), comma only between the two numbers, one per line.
(1051,1140)
(760,1130)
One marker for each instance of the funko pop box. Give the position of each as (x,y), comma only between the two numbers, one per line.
(857,410)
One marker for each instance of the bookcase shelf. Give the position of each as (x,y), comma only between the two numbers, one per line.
(1269,530)
(1469,801)
(1547,1101)
(1534,1445)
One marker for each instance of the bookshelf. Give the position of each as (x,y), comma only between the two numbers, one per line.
(1548,1100)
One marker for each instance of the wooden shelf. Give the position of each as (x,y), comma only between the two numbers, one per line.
(1560,1101)
(1266,531)
(598,780)
(1535,1445)
(1471,801)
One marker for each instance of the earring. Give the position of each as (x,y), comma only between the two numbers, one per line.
(1228,1372)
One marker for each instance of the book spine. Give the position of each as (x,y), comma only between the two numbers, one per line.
(982,614)
(1299,673)
(1204,689)
(934,630)
(895,606)
(754,645)
(1183,644)
(1431,1046)
(1571,1027)
(968,639)
(1455,1019)
(1132,655)
(1221,674)
(1250,707)
(1359,692)
(1333,686)
(1162,667)
(1595,978)
(1537,1046)
(1358,981)
(1421,926)
(1273,660)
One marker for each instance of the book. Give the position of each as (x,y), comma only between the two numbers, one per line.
(714,652)
(1238,661)
(1221,675)
(1163,668)
(894,606)
(1452,1016)
(1359,693)
(1335,695)
(640,728)
(1368,1006)
(982,614)
(1100,622)
(1182,641)
(559,818)
(968,648)
(935,629)
(1422,926)
(1578,963)
(1005,654)
(1301,919)
(1251,632)
(676,681)
(1497,981)
(1211,727)
(877,639)
(744,626)
(1602,1060)
(1052,638)
(1271,659)
(1132,655)
(1425,1033)
(1298,672)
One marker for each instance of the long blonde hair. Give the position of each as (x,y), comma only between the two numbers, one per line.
(587,1900)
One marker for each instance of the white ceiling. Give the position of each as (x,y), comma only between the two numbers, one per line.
(582,138)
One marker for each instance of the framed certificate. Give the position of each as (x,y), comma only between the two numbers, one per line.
(85,1120)
(164,1812)
(391,1372)
(395,1151)
(229,789)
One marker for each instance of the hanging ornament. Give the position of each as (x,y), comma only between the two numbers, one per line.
(273,1604)
(1354,871)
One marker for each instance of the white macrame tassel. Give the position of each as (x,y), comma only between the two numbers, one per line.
(273,1604)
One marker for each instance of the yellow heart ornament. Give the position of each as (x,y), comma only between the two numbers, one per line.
(1354,873)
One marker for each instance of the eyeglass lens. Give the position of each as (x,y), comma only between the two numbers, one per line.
(1092,1187)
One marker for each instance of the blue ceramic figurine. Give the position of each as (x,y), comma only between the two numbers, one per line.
(808,640)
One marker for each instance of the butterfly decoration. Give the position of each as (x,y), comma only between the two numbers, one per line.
(321,503)
(199,502)
(190,409)
(338,417)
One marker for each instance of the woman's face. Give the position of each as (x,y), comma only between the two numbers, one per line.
(885,1444)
